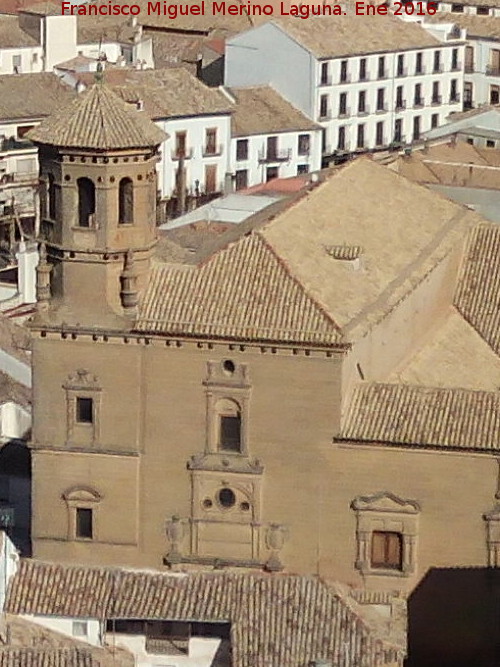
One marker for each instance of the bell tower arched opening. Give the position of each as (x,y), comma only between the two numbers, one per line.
(126,201)
(86,202)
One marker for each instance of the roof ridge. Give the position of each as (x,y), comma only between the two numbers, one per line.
(296,280)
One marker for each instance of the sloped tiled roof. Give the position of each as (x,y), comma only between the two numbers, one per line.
(478,292)
(12,36)
(395,414)
(275,279)
(32,96)
(278,620)
(351,34)
(98,120)
(36,657)
(243,291)
(261,110)
(25,643)
(455,355)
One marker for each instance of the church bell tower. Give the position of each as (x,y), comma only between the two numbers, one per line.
(98,209)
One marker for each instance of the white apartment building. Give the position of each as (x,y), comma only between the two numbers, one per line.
(369,81)
(471,7)
(41,37)
(270,138)
(26,100)
(481,57)
(478,127)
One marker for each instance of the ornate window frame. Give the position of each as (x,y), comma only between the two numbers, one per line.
(386,512)
(82,497)
(82,384)
(226,381)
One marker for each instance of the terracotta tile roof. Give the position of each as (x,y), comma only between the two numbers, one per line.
(32,96)
(10,390)
(275,620)
(395,414)
(261,110)
(280,185)
(455,355)
(476,26)
(11,35)
(14,6)
(98,119)
(167,93)
(219,299)
(333,300)
(336,36)
(43,8)
(24,643)
(478,292)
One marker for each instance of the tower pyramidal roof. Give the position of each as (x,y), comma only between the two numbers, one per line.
(98,120)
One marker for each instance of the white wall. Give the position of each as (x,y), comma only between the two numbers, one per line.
(390,85)
(195,127)
(60,40)
(15,421)
(65,626)
(31,60)
(18,370)
(9,560)
(288,142)
(201,651)
(268,56)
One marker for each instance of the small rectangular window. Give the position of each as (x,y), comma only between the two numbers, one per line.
(230,433)
(211,141)
(241,179)
(379,138)
(325,74)
(490,143)
(323,106)
(304,144)
(418,64)
(362,69)
(387,550)
(302,169)
(84,410)
(180,144)
(360,138)
(84,523)
(343,71)
(80,629)
(483,10)
(434,120)
(242,149)
(381,68)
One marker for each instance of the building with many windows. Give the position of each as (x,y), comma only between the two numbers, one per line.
(369,81)
(482,54)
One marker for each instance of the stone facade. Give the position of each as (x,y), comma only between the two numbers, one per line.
(188,450)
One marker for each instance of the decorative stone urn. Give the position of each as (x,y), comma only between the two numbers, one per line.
(175,532)
(275,539)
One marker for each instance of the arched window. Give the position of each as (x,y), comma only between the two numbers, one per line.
(229,426)
(51,196)
(126,201)
(86,202)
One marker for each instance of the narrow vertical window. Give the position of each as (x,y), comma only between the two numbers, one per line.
(84,410)
(84,528)
(126,201)
(86,202)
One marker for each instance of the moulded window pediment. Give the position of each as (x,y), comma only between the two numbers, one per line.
(82,494)
(82,379)
(385,502)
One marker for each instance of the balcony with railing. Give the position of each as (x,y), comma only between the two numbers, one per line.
(278,155)
(454,98)
(344,112)
(325,81)
(346,78)
(403,71)
(8,144)
(325,114)
(456,67)
(436,99)
(182,153)
(383,74)
(419,71)
(400,105)
(418,102)
(212,150)
(382,108)
(469,68)
(437,69)
(364,111)
(493,70)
